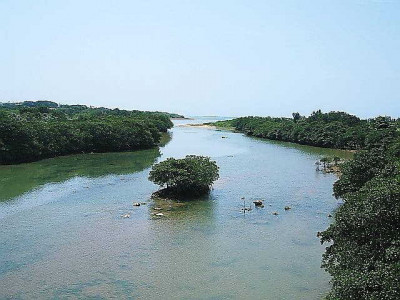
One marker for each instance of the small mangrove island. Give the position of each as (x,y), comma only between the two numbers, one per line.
(189,176)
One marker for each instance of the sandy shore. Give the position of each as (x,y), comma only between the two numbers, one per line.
(197,126)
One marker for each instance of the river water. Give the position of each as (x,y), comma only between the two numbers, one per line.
(63,235)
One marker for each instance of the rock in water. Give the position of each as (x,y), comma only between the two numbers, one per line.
(160,215)
(136,204)
(287,207)
(258,202)
(126,216)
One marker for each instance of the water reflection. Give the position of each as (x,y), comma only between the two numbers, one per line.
(311,149)
(16,180)
(195,209)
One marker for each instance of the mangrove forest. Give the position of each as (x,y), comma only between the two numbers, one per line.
(30,131)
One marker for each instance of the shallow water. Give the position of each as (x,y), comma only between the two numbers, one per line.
(62,234)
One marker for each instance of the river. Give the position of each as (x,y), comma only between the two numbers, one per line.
(62,235)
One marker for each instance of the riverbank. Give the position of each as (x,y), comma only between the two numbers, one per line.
(344,154)
(336,130)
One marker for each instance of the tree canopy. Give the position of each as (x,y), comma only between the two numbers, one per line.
(330,130)
(363,252)
(190,175)
(31,132)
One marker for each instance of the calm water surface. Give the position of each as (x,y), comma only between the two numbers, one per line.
(62,235)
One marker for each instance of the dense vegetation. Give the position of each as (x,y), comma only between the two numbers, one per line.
(364,257)
(79,108)
(192,175)
(32,131)
(330,130)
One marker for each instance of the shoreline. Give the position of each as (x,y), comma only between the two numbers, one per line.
(182,118)
(206,126)
(231,129)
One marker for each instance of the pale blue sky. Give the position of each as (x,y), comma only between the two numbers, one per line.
(214,57)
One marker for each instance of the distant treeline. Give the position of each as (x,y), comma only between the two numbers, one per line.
(363,241)
(330,130)
(73,109)
(30,131)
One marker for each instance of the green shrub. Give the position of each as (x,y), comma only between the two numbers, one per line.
(190,175)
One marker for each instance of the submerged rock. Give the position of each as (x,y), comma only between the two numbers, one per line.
(157,208)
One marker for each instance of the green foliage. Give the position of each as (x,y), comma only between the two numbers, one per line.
(79,108)
(39,103)
(336,160)
(362,168)
(29,132)
(363,255)
(227,124)
(330,130)
(364,258)
(326,159)
(190,175)
(296,116)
